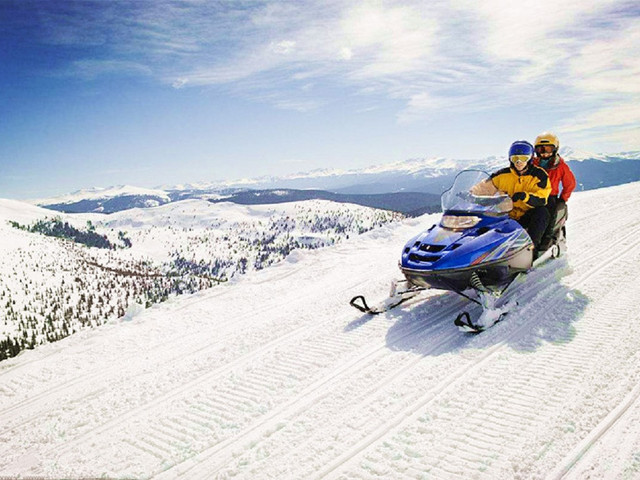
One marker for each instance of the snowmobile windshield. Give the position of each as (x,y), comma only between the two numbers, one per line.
(473,192)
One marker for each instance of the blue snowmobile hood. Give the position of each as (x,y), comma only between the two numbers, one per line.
(439,249)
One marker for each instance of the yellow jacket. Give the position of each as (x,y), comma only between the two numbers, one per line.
(533,182)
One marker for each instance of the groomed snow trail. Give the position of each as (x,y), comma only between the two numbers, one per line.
(276,376)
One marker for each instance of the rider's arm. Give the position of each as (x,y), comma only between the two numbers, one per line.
(486,187)
(568,182)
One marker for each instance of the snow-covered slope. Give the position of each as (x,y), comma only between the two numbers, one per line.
(276,376)
(52,287)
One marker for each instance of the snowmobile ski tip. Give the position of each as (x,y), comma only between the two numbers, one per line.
(393,301)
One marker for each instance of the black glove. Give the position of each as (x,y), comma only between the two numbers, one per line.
(560,202)
(518,196)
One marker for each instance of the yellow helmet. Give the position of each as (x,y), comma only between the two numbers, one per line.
(547,138)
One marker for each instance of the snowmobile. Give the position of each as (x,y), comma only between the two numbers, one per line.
(476,251)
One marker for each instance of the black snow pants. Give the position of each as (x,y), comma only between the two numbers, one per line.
(557,216)
(535,223)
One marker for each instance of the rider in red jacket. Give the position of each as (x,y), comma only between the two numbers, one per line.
(547,157)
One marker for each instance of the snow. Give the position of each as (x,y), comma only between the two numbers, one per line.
(50,287)
(101,193)
(22,212)
(432,166)
(427,166)
(275,376)
(573,154)
(417,167)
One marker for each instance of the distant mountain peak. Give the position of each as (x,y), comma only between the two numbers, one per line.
(573,154)
(576,155)
(104,193)
(421,174)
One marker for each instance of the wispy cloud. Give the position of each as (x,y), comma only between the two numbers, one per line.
(368,47)
(605,72)
(431,56)
(447,55)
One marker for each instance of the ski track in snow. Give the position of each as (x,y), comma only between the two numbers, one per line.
(276,376)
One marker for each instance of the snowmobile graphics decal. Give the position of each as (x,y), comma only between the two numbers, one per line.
(515,243)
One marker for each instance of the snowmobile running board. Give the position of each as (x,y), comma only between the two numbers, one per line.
(554,251)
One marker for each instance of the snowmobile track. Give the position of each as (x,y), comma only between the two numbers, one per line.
(402,395)
(435,455)
(287,370)
(630,401)
(303,399)
(193,426)
(457,375)
(96,382)
(313,394)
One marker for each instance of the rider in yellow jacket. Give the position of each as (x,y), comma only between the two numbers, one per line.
(529,188)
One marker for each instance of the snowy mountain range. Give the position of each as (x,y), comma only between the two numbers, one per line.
(274,375)
(395,186)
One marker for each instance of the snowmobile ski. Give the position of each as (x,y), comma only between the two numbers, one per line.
(396,297)
(361,304)
(463,322)
(487,320)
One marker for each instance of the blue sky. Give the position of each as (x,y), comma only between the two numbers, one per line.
(148,93)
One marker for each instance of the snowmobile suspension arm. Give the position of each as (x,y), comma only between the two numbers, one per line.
(444,280)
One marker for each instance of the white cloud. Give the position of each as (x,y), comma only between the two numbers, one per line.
(610,64)
(180,83)
(345,53)
(623,138)
(571,56)
(297,105)
(538,32)
(604,73)
(388,39)
(604,137)
(622,114)
(423,102)
(440,55)
(284,47)
(366,46)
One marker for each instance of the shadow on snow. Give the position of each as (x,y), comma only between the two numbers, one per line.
(546,315)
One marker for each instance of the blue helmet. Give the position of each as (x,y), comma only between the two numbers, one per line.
(521,151)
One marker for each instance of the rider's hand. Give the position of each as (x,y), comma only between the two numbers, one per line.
(518,196)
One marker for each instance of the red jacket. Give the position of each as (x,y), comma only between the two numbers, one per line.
(560,172)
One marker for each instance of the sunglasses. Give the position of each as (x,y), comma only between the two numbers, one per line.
(519,158)
(545,149)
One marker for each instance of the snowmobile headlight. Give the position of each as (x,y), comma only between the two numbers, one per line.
(459,222)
